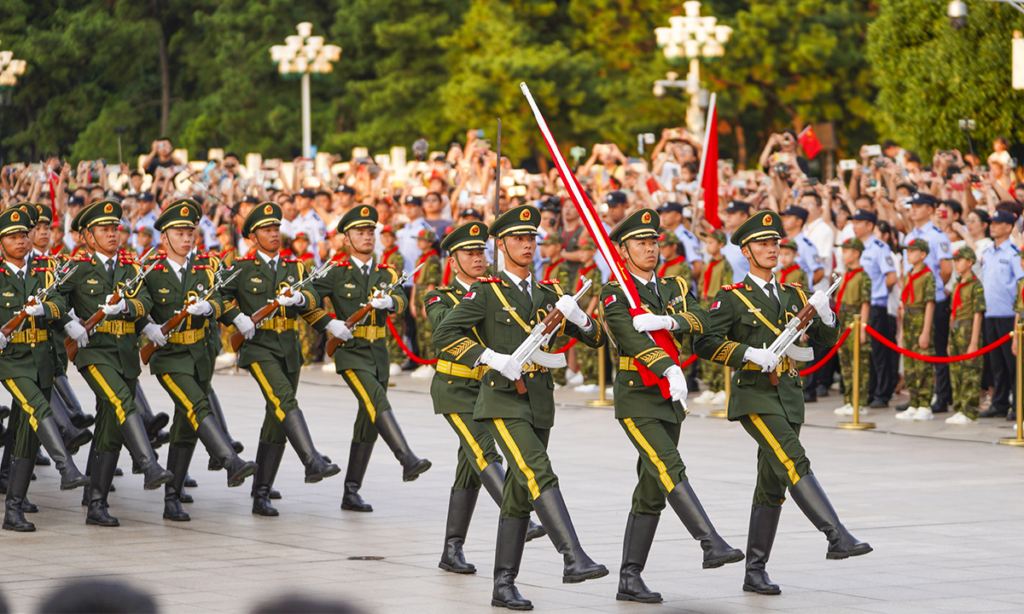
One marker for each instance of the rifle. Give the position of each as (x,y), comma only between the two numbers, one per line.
(90,325)
(529,350)
(263,313)
(175,322)
(353,321)
(795,329)
(59,277)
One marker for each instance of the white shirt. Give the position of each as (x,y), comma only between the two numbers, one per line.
(23,270)
(823,237)
(763,284)
(274,263)
(364,267)
(177,268)
(518,283)
(462,283)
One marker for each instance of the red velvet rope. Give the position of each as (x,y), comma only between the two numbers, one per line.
(938,359)
(565,348)
(828,357)
(416,359)
(688,361)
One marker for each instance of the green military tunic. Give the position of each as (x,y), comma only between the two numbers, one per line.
(855,291)
(965,375)
(918,291)
(792,275)
(717,273)
(394,259)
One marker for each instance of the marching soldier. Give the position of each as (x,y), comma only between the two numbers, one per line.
(362,358)
(493,319)
(454,391)
(108,359)
(27,367)
(745,318)
(651,421)
(183,363)
(271,350)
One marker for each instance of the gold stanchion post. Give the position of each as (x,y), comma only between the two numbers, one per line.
(856,425)
(724,413)
(600,401)
(1019,439)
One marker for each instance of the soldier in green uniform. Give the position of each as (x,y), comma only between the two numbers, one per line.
(271,351)
(362,358)
(108,359)
(27,367)
(966,315)
(745,318)
(493,319)
(587,357)
(424,281)
(454,391)
(854,298)
(183,363)
(918,298)
(393,258)
(717,273)
(651,421)
(789,272)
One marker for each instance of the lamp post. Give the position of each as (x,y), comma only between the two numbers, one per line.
(692,37)
(10,70)
(303,54)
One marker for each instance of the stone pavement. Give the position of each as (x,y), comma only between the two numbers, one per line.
(943,515)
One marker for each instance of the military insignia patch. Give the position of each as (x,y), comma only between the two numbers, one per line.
(715,305)
(256,280)
(8,294)
(164,291)
(184,211)
(945,247)
(109,208)
(433,300)
(474,231)
(470,296)
(646,217)
(92,282)
(524,216)
(349,285)
(15,217)
(766,220)
(200,286)
(611,299)
(290,278)
(268,210)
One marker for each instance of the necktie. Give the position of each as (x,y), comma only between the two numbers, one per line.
(525,287)
(771,294)
(653,287)
(273,265)
(110,270)
(21,280)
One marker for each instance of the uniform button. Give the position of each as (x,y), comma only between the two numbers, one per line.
(506,319)
(531,376)
(492,384)
(449,381)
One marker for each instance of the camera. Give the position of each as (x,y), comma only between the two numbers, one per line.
(781,168)
(419,148)
(879,163)
(812,181)
(966,124)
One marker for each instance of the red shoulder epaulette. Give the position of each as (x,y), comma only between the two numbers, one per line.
(384,266)
(83,258)
(732,286)
(794,284)
(40,269)
(246,258)
(204,255)
(158,267)
(158,256)
(201,267)
(548,282)
(489,280)
(44,257)
(289,260)
(341,259)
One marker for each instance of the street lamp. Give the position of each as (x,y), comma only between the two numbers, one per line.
(692,37)
(10,69)
(303,54)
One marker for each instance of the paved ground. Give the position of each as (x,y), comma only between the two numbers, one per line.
(942,509)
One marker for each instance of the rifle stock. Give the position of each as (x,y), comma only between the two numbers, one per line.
(550,323)
(90,325)
(147,350)
(13,324)
(264,312)
(334,342)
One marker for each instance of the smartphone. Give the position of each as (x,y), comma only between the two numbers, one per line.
(847,165)
(479,133)
(740,184)
(360,152)
(420,191)
(812,181)
(517,190)
(872,150)
(578,152)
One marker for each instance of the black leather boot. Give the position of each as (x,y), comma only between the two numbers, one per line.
(178,460)
(41,460)
(686,505)
(268,459)
(552,512)
(764,521)
(5,459)
(219,446)
(70,477)
(815,505)
(137,442)
(391,433)
(74,437)
(358,461)
(79,418)
(88,471)
(218,411)
(508,554)
(103,466)
(493,479)
(154,423)
(460,511)
(317,467)
(17,487)
(636,546)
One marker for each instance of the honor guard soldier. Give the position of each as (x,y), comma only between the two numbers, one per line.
(362,358)
(27,367)
(745,318)
(651,421)
(271,350)
(182,362)
(493,319)
(108,358)
(454,391)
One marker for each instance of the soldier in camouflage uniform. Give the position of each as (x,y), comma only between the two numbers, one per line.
(587,357)
(673,258)
(425,280)
(717,273)
(918,299)
(789,272)
(966,315)
(853,298)
(556,268)
(393,258)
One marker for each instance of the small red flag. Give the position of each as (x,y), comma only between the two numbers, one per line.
(710,180)
(809,141)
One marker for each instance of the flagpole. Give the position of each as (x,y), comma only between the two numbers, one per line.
(703,160)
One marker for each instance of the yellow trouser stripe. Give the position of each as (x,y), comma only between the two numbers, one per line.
(472,442)
(267,390)
(24,404)
(178,392)
(358,385)
(531,479)
(774,443)
(640,439)
(107,390)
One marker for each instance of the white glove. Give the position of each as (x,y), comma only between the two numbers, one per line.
(337,328)
(116,308)
(244,325)
(647,322)
(200,308)
(35,310)
(819,300)
(77,332)
(502,363)
(677,387)
(762,358)
(287,301)
(572,312)
(3,341)
(382,301)
(155,335)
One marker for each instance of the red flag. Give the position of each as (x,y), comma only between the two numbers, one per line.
(710,168)
(809,141)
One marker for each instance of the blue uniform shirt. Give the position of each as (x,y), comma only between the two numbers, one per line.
(939,249)
(740,265)
(691,245)
(1000,271)
(877,262)
(807,256)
